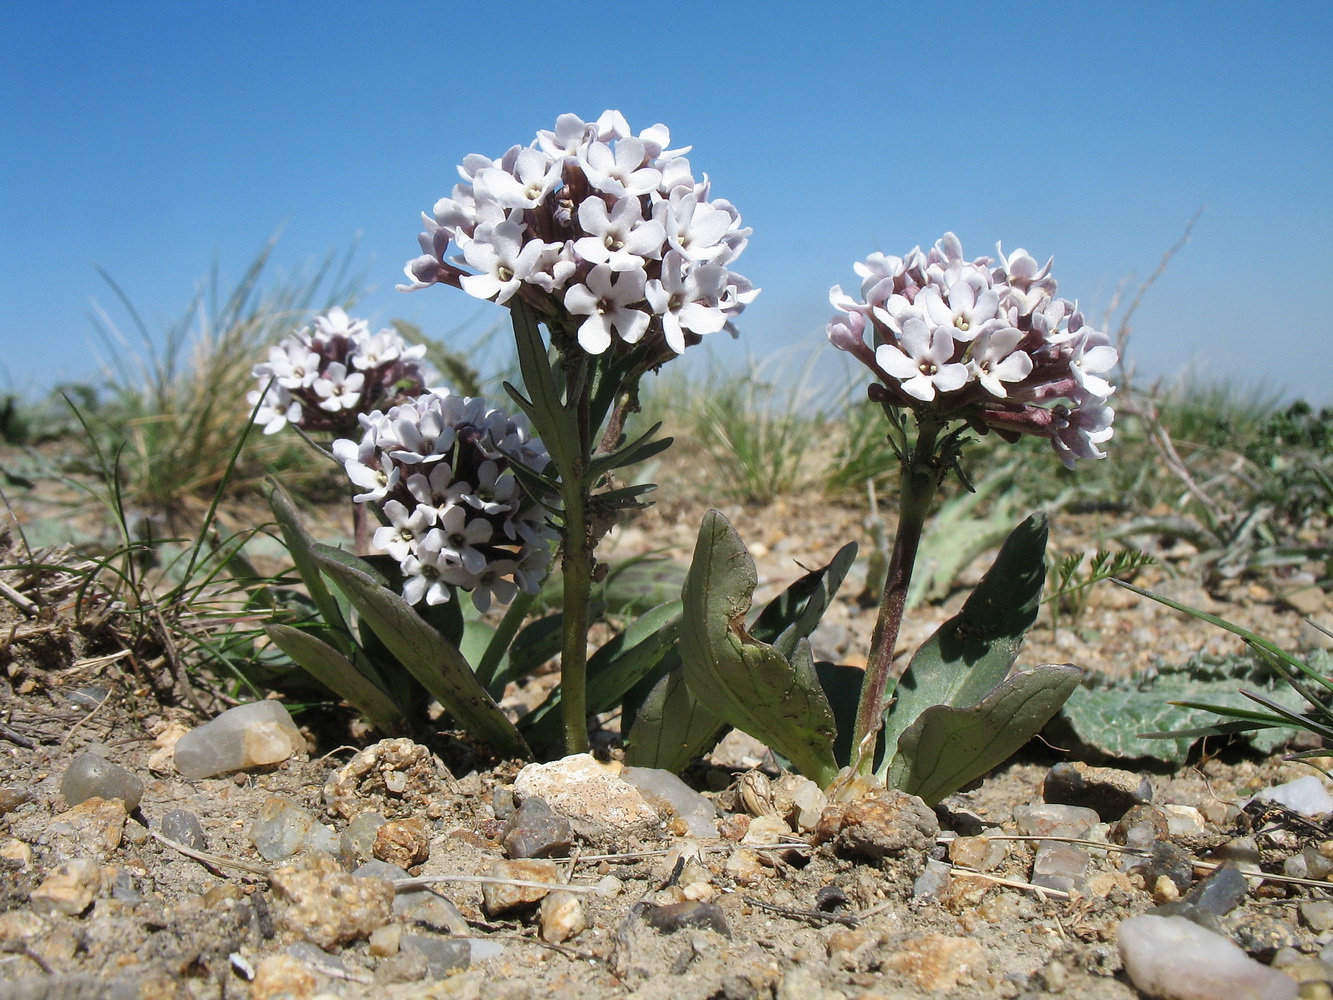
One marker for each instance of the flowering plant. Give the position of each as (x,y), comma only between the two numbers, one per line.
(954,345)
(321,381)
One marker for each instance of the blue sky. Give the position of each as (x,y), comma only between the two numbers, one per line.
(153,139)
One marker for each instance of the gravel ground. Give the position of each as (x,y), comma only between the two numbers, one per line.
(826,921)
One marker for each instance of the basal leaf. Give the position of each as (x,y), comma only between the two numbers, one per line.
(431,659)
(794,614)
(336,672)
(749,683)
(672,727)
(972,652)
(947,747)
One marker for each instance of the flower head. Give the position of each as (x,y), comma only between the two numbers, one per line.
(991,345)
(322,380)
(440,469)
(608,235)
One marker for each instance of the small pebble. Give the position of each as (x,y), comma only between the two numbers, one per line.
(562,917)
(672,798)
(1307,795)
(1054,820)
(1183,821)
(1175,959)
(384,941)
(681,916)
(403,842)
(319,902)
(91,774)
(535,831)
(283,829)
(499,899)
(69,888)
(1109,791)
(429,909)
(980,853)
(885,823)
(443,955)
(183,827)
(1219,893)
(11,798)
(930,884)
(1060,866)
(94,827)
(1317,914)
(357,842)
(252,735)
(1166,861)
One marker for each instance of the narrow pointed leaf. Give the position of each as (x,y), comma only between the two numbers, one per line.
(432,660)
(794,614)
(301,547)
(749,683)
(337,673)
(946,747)
(672,728)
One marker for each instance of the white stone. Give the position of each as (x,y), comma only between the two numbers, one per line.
(1175,959)
(261,732)
(585,792)
(668,794)
(1308,796)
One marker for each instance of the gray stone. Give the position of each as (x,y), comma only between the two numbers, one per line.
(931,882)
(91,775)
(443,955)
(252,735)
(1107,790)
(534,831)
(1060,866)
(357,842)
(1055,820)
(283,829)
(1219,893)
(671,797)
(183,827)
(375,868)
(1317,914)
(1307,795)
(421,906)
(1166,861)
(1175,959)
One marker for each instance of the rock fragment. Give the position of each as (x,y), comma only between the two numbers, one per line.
(533,830)
(1307,795)
(884,823)
(403,842)
(69,888)
(283,829)
(562,917)
(91,775)
(592,796)
(499,899)
(183,827)
(357,841)
(252,735)
(94,827)
(1175,959)
(1055,820)
(690,814)
(395,778)
(1109,791)
(674,917)
(938,962)
(319,902)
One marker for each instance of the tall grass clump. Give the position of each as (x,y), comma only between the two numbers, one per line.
(175,400)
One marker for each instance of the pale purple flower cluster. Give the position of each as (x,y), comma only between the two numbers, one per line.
(439,467)
(992,344)
(606,234)
(321,381)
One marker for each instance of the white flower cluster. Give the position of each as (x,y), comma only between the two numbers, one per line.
(322,380)
(606,233)
(439,469)
(989,343)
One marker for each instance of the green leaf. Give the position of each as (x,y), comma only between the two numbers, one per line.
(337,673)
(794,614)
(302,548)
(672,727)
(972,652)
(640,449)
(749,683)
(432,660)
(947,747)
(549,417)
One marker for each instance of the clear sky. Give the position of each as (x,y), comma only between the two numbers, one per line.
(153,138)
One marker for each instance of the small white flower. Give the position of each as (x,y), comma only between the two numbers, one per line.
(337,389)
(609,305)
(406,527)
(994,361)
(922,361)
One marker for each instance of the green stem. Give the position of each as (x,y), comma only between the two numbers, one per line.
(577,567)
(920,480)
